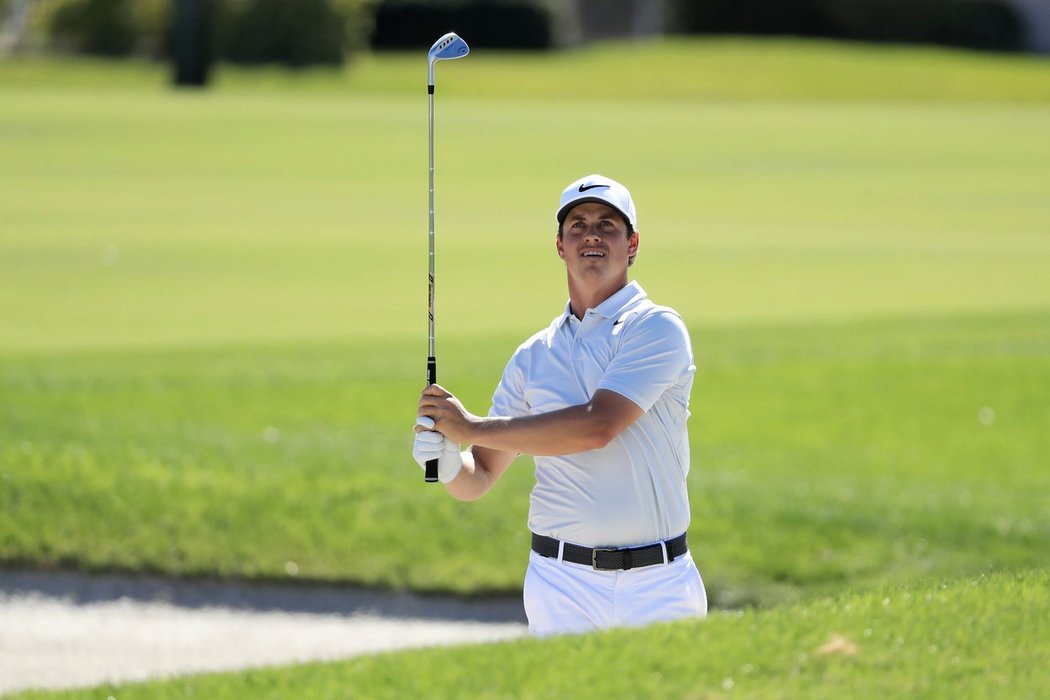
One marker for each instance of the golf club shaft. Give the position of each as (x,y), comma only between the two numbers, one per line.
(450,46)
(431,473)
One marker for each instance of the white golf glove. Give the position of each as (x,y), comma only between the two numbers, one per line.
(433,445)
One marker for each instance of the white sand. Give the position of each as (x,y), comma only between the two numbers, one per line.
(63,630)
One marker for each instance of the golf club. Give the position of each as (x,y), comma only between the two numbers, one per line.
(448,47)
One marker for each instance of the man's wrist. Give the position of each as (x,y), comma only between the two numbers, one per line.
(485,431)
(475,428)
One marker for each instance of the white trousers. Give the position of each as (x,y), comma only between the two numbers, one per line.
(564,598)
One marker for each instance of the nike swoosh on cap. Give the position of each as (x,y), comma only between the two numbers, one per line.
(584,188)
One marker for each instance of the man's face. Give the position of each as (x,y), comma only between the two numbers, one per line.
(594,242)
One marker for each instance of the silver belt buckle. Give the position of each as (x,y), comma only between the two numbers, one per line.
(594,559)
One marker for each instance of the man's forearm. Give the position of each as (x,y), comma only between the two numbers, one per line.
(557,433)
(577,428)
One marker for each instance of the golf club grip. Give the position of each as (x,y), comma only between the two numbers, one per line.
(430,476)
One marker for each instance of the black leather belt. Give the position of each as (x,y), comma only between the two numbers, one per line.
(606,559)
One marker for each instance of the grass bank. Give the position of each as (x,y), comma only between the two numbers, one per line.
(823,455)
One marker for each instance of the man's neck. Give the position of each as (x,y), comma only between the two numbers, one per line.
(581,298)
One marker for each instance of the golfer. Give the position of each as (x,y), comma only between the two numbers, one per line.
(600,398)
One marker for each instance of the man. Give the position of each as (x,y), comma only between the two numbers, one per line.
(600,398)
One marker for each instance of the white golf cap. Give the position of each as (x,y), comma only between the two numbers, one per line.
(598,188)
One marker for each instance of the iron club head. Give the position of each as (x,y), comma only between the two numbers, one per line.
(446,48)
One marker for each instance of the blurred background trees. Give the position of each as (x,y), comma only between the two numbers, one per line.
(980,24)
(299,33)
(292,32)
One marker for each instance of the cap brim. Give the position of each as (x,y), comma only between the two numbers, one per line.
(564,211)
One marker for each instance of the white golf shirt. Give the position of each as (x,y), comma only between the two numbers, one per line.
(633,491)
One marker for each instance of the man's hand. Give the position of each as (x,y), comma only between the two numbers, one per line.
(432,445)
(450,418)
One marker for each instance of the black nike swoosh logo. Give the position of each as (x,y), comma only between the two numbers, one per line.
(584,188)
(617,321)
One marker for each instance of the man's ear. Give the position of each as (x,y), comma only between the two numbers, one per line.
(632,243)
(561,249)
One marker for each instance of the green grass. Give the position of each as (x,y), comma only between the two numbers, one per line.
(212,326)
(824,456)
(209,219)
(960,639)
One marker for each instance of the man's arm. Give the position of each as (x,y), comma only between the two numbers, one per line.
(482,468)
(586,426)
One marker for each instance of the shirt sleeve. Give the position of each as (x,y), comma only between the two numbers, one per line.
(509,397)
(654,355)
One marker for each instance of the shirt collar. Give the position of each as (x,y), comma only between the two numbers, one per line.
(630,294)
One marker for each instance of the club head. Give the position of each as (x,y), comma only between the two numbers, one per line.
(446,48)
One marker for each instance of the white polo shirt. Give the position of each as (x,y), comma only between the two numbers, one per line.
(632,491)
